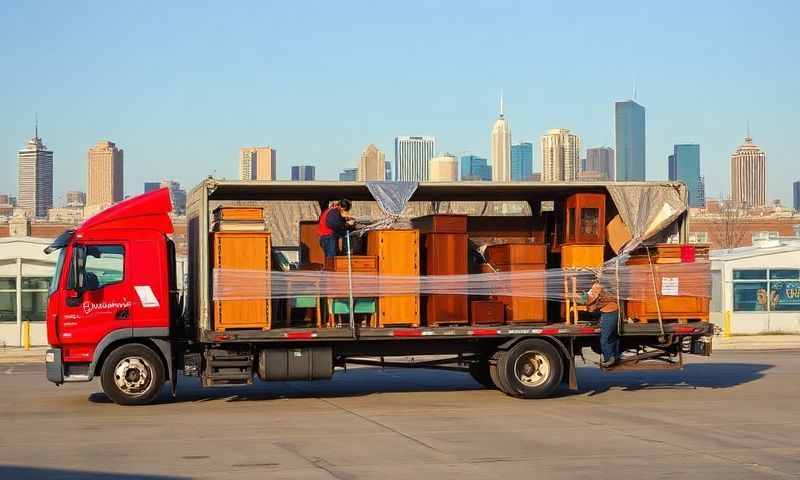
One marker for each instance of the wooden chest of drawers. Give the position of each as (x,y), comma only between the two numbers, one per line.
(358,264)
(446,254)
(242,251)
(487,312)
(573,256)
(441,223)
(246,214)
(398,254)
(522,309)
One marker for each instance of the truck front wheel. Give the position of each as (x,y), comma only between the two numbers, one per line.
(132,375)
(530,369)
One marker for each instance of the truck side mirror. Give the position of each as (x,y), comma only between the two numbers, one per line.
(77,275)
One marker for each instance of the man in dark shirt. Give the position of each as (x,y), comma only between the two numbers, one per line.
(334,224)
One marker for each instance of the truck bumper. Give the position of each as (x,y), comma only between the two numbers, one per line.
(54,363)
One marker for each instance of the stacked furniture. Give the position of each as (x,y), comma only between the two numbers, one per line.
(361,305)
(241,242)
(397,253)
(310,250)
(518,257)
(445,253)
(653,271)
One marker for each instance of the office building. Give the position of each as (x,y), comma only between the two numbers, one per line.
(348,175)
(372,165)
(475,168)
(701,192)
(600,159)
(104,174)
(749,175)
(303,173)
(443,168)
(411,157)
(629,132)
(35,177)
(560,155)
(684,166)
(521,161)
(388,170)
(501,148)
(796,196)
(75,198)
(150,186)
(257,163)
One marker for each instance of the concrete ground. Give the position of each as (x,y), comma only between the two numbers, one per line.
(734,415)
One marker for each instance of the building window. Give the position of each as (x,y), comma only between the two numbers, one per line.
(698,237)
(8,299)
(776,290)
(34,298)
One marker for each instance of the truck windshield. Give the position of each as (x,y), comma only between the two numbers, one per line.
(58,244)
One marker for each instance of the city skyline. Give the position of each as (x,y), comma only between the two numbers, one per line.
(173,135)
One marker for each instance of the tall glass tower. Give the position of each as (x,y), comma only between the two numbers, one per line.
(684,166)
(629,130)
(521,161)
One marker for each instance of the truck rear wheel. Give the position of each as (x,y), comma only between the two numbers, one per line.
(530,369)
(132,375)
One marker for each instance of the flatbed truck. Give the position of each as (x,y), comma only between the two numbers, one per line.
(115,311)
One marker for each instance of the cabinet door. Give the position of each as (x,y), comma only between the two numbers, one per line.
(446,254)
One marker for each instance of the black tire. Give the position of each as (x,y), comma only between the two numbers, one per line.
(479,370)
(132,374)
(530,369)
(494,374)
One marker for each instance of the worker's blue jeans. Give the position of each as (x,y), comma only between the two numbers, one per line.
(329,245)
(609,335)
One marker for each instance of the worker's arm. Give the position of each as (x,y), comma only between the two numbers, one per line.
(594,293)
(338,223)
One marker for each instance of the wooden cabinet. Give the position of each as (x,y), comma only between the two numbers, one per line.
(585,219)
(516,253)
(487,312)
(575,256)
(524,309)
(358,264)
(310,249)
(446,254)
(398,254)
(239,214)
(441,223)
(242,251)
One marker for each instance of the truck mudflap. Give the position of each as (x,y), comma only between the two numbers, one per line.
(54,364)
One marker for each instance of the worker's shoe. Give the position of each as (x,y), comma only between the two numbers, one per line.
(610,362)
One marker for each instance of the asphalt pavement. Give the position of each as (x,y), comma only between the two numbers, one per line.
(734,415)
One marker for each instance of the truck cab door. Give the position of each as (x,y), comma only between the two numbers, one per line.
(103,305)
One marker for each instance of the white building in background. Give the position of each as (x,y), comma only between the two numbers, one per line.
(560,155)
(411,158)
(501,148)
(35,177)
(758,285)
(443,168)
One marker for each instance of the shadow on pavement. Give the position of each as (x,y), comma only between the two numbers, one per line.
(368,381)
(17,472)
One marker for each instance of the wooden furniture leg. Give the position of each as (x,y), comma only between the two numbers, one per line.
(575,306)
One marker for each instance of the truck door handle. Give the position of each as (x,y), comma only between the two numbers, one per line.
(122,314)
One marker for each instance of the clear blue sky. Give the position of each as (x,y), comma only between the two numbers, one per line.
(182,85)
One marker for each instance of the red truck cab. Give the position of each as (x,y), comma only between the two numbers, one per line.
(115,285)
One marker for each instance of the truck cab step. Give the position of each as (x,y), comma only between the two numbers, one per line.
(227,367)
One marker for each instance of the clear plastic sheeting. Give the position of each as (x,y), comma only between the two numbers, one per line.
(629,282)
(391,198)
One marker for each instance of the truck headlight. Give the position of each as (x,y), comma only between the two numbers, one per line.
(49,357)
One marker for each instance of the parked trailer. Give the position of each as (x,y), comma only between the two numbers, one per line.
(115,311)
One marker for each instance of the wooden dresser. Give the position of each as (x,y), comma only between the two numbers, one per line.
(520,257)
(398,254)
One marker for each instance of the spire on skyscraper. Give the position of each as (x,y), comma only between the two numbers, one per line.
(748,138)
(501,103)
(36,125)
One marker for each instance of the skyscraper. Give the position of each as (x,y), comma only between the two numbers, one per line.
(749,175)
(150,186)
(521,161)
(348,175)
(560,155)
(701,192)
(601,160)
(104,177)
(501,148)
(475,168)
(76,199)
(684,166)
(303,173)
(796,199)
(372,165)
(629,131)
(257,163)
(35,177)
(411,157)
(388,170)
(443,168)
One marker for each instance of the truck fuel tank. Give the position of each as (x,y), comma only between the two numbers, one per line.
(282,364)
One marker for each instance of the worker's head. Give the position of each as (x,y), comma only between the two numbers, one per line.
(345,204)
